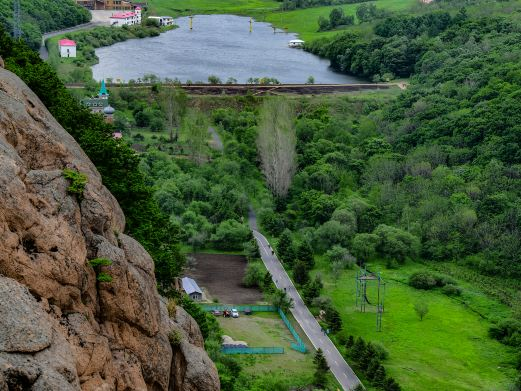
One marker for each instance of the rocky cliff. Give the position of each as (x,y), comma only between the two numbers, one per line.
(60,327)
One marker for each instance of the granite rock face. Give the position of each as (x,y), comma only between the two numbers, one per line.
(60,328)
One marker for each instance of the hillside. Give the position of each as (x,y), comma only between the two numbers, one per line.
(41,16)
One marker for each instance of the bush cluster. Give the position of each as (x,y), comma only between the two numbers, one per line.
(427,280)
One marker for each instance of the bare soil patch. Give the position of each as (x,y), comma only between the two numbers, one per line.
(220,275)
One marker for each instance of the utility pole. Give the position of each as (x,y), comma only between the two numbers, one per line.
(17,20)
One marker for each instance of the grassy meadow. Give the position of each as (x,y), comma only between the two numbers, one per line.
(301,21)
(449,350)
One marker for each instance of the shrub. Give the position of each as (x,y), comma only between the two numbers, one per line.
(507,331)
(254,275)
(381,351)
(422,280)
(97,264)
(78,181)
(171,307)
(175,337)
(422,309)
(451,290)
(104,277)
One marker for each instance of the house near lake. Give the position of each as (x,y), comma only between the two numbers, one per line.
(192,289)
(163,20)
(67,48)
(128,18)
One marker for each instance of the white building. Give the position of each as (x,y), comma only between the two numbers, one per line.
(163,20)
(67,48)
(127,18)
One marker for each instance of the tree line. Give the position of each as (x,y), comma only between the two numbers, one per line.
(41,16)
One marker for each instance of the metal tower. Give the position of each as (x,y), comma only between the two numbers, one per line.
(17,20)
(365,277)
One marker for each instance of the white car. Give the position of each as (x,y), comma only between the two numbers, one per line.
(235,313)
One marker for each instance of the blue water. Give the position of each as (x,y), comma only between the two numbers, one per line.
(218,45)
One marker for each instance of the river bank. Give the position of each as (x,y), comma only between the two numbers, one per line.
(79,69)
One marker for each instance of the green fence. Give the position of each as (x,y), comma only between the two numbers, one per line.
(299,346)
(232,350)
(253,308)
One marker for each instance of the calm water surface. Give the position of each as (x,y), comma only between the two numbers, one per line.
(218,45)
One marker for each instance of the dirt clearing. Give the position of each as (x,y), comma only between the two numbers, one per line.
(220,276)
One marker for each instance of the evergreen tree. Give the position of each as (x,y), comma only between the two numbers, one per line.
(305,254)
(350,342)
(373,366)
(391,385)
(300,273)
(370,353)
(285,247)
(321,368)
(312,290)
(379,376)
(333,319)
(267,283)
(358,349)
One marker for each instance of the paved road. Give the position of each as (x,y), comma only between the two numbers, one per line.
(343,372)
(44,54)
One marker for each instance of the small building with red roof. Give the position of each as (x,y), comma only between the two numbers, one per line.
(67,48)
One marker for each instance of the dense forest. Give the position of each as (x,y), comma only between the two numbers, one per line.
(41,16)
(396,46)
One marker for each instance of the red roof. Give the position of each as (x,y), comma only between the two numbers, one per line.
(123,15)
(66,42)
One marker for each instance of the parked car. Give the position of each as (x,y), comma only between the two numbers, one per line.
(217,313)
(247,311)
(235,313)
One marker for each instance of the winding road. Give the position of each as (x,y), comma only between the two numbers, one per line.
(340,369)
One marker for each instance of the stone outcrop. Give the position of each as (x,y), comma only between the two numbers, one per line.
(61,328)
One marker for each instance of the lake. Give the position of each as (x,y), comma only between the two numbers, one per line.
(218,45)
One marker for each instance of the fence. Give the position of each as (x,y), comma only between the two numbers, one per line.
(244,350)
(253,308)
(299,346)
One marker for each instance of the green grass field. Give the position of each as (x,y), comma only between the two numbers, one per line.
(266,329)
(239,7)
(302,21)
(448,350)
